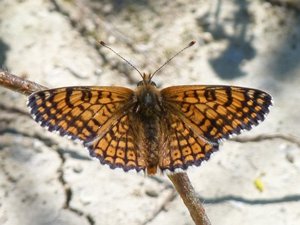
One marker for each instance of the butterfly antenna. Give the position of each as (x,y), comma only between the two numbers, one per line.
(129,63)
(170,59)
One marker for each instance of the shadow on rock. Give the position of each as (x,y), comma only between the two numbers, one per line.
(3,49)
(228,65)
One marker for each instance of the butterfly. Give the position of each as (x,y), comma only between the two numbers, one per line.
(148,129)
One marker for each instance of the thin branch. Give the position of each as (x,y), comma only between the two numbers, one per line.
(18,84)
(180,181)
(187,193)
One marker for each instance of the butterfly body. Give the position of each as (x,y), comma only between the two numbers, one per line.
(149,129)
(149,113)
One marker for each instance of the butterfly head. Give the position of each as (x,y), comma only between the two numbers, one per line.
(147,81)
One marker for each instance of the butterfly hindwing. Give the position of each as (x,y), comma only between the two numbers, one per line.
(184,148)
(216,112)
(117,147)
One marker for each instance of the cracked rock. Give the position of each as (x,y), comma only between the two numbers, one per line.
(46,179)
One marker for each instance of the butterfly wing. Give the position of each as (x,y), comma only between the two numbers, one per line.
(95,116)
(208,114)
(216,112)
(117,147)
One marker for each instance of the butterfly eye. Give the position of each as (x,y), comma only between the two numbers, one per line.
(153,84)
(140,83)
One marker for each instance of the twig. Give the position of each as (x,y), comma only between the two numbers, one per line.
(180,181)
(186,191)
(18,84)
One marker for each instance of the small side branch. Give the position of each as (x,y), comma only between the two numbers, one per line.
(180,181)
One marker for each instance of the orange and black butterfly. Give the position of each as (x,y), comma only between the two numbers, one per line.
(148,129)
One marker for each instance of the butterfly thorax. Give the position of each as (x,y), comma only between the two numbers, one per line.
(148,100)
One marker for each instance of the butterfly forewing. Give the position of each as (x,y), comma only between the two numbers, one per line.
(79,112)
(216,112)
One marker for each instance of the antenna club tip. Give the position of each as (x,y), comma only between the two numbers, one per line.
(192,43)
(102,43)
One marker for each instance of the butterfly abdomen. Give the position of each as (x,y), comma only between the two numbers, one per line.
(152,136)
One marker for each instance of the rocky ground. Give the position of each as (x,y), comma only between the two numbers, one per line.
(46,179)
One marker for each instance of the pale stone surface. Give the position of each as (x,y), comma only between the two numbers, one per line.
(45,179)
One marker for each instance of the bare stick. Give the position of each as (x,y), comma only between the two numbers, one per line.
(180,181)
(18,84)
(187,193)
